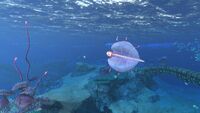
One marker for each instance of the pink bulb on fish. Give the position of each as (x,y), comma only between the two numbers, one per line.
(123,56)
(111,54)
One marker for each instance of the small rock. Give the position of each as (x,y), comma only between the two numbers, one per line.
(87,106)
(84,68)
(104,70)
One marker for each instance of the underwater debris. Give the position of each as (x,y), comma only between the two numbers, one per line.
(123,56)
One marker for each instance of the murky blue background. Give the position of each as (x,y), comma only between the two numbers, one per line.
(63,31)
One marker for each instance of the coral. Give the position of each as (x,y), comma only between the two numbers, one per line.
(125,94)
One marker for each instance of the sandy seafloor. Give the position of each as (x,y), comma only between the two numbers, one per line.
(78,94)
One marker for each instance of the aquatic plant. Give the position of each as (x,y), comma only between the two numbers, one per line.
(25,99)
(27,51)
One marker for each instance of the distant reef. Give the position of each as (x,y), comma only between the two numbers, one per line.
(96,89)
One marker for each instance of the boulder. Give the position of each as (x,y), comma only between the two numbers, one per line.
(72,92)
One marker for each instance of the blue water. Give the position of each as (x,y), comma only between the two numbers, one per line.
(63,31)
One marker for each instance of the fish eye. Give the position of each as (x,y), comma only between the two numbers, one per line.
(109,53)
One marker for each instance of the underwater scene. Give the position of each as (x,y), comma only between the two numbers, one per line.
(99,56)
